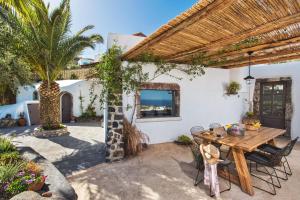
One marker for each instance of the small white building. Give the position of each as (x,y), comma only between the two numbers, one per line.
(27,101)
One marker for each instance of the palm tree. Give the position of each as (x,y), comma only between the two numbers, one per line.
(48,47)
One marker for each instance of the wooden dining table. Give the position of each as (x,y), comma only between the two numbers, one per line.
(239,145)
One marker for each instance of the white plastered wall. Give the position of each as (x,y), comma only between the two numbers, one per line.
(202,101)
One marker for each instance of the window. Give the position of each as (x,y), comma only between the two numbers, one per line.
(35,95)
(158,100)
(157,103)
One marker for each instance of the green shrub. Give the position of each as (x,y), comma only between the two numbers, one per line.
(49,127)
(74,76)
(8,171)
(183,139)
(9,157)
(16,186)
(6,145)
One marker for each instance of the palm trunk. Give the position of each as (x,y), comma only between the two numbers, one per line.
(50,105)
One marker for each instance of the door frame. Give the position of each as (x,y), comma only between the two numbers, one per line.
(284,83)
(71,106)
(288,99)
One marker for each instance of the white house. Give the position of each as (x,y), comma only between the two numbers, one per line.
(203,101)
(27,100)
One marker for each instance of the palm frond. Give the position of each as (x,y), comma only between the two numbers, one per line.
(23,8)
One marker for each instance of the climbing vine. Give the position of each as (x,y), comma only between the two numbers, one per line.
(117,77)
(90,110)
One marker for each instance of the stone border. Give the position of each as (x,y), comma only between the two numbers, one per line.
(50,133)
(8,123)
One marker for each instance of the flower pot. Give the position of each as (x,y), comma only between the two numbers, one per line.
(21,122)
(36,186)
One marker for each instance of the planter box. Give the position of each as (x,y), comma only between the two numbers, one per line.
(8,123)
(40,133)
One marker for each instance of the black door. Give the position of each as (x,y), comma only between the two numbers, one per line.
(272,112)
(66,108)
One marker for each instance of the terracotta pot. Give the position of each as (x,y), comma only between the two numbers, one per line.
(36,186)
(22,122)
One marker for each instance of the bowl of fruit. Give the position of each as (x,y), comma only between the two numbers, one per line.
(254,126)
(251,122)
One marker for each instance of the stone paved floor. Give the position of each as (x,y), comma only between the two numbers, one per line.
(166,172)
(83,148)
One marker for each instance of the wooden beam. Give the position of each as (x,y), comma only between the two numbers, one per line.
(274,54)
(265,61)
(264,28)
(261,47)
(217,5)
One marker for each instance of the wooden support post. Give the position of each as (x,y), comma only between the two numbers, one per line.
(243,171)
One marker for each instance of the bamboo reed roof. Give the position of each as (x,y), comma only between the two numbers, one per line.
(223,31)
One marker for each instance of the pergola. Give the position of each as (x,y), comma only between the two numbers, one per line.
(223,31)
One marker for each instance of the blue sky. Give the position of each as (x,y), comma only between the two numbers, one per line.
(123,16)
(162,95)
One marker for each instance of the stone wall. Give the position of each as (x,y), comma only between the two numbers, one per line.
(8,123)
(288,101)
(115,139)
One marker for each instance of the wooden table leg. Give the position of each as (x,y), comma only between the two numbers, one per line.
(243,171)
(229,154)
(272,142)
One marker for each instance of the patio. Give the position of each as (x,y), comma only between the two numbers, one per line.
(83,148)
(166,171)
(226,36)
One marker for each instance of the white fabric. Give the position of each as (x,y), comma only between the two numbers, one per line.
(211,170)
(211,178)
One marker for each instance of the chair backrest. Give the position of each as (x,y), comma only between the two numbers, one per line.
(285,151)
(210,153)
(215,125)
(275,159)
(196,129)
(289,147)
(197,154)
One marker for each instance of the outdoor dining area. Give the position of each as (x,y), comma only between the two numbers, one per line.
(250,153)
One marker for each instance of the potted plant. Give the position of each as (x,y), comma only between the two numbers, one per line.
(233,88)
(37,184)
(251,122)
(21,120)
(35,179)
(183,140)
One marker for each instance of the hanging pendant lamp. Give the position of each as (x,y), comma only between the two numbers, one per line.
(249,78)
